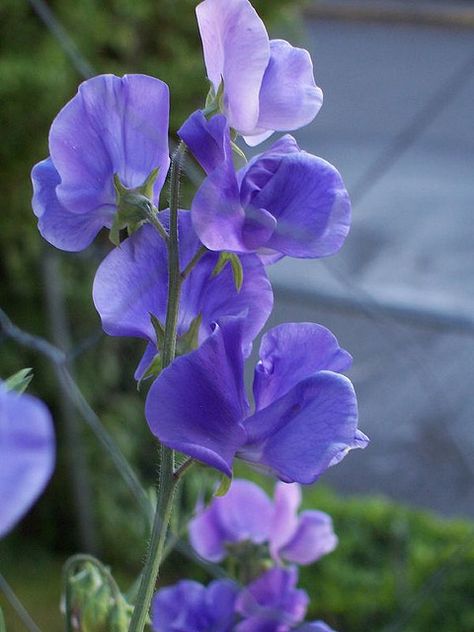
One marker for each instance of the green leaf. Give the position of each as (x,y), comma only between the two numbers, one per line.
(3,627)
(19,381)
(236,264)
(224,486)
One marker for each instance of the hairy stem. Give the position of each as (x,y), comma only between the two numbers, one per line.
(167,480)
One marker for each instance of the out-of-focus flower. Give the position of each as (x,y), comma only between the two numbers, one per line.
(284,202)
(27,454)
(113,126)
(306,411)
(246,513)
(190,607)
(272,603)
(132,283)
(264,85)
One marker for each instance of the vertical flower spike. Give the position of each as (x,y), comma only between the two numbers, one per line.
(27,454)
(280,93)
(113,126)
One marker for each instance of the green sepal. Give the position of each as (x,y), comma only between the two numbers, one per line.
(159,331)
(153,370)
(214,100)
(238,152)
(3,625)
(133,206)
(190,340)
(236,264)
(19,381)
(224,486)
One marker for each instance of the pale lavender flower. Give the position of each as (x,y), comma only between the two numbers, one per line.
(284,202)
(268,85)
(246,513)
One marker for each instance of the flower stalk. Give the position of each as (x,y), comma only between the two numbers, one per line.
(167,479)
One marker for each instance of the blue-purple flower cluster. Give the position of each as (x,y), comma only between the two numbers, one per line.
(109,145)
(260,535)
(108,162)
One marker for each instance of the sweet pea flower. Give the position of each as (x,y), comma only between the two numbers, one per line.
(284,202)
(190,607)
(246,513)
(266,85)
(27,454)
(132,283)
(272,603)
(113,126)
(305,417)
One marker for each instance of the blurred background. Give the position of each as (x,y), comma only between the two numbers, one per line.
(398,122)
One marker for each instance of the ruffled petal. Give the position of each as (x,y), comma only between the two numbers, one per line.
(207,535)
(272,598)
(313,538)
(198,403)
(217,214)
(190,607)
(289,97)
(311,205)
(301,434)
(244,513)
(62,228)
(292,352)
(208,140)
(237,51)
(287,499)
(27,454)
(132,283)
(113,125)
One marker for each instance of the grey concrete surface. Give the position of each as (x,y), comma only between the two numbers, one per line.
(411,243)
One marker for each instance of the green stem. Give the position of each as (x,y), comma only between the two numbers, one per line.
(167,480)
(188,269)
(16,604)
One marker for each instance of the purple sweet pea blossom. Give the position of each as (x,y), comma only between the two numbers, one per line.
(112,126)
(190,607)
(132,282)
(305,419)
(27,454)
(272,603)
(268,85)
(284,202)
(246,513)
